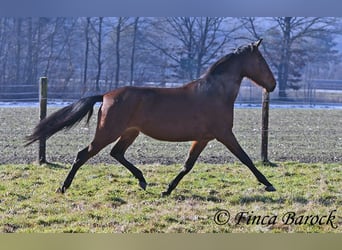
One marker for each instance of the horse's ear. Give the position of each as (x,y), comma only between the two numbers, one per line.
(257,43)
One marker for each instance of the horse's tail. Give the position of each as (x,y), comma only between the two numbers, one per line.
(64,118)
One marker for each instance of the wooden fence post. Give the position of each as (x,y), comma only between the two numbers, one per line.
(43,82)
(264,127)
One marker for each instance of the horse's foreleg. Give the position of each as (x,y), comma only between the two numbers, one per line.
(118,152)
(196,149)
(232,144)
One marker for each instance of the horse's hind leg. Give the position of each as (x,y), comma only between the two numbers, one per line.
(196,149)
(232,144)
(81,158)
(118,152)
(102,138)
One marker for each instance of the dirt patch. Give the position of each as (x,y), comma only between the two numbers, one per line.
(295,135)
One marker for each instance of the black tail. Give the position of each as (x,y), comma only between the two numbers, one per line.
(64,118)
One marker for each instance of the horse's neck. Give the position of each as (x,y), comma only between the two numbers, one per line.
(225,85)
(232,87)
(217,89)
(231,80)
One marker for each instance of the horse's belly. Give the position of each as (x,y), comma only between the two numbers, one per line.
(177,130)
(175,137)
(172,117)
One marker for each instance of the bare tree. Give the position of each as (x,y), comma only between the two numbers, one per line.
(291,45)
(117,51)
(52,54)
(18,48)
(196,41)
(4,32)
(118,29)
(135,30)
(33,49)
(97,45)
(99,60)
(86,54)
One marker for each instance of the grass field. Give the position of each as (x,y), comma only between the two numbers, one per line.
(107,198)
(306,145)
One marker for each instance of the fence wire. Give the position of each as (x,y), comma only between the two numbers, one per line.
(299,135)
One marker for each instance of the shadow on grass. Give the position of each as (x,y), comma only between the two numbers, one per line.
(269,164)
(53,165)
(258,198)
(267,199)
(116,202)
(328,201)
(196,197)
(300,199)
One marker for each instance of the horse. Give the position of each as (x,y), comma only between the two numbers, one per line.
(199,111)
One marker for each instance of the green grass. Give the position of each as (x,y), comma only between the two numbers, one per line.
(106,198)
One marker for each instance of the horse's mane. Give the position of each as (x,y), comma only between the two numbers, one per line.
(220,65)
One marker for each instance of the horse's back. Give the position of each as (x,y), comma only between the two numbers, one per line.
(172,114)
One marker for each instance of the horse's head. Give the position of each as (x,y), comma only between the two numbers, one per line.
(257,69)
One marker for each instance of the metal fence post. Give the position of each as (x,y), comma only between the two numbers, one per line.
(43,82)
(264,127)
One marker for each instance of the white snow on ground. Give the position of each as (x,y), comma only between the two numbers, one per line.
(32,104)
(56,103)
(291,106)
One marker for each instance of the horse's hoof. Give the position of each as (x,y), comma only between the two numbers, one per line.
(142,184)
(61,190)
(164,194)
(270,189)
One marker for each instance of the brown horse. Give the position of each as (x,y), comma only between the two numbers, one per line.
(200,111)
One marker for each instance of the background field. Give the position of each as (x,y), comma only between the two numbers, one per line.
(306,145)
(304,135)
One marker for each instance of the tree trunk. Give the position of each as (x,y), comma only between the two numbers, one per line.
(29,54)
(99,52)
(36,50)
(135,30)
(283,70)
(202,46)
(18,50)
(86,53)
(51,45)
(117,50)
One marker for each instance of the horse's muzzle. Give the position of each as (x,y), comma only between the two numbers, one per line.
(270,89)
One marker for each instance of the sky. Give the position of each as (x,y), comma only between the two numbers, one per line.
(171,8)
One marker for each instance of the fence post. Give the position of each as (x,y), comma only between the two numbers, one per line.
(264,127)
(43,82)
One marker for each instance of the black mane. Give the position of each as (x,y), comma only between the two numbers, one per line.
(219,66)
